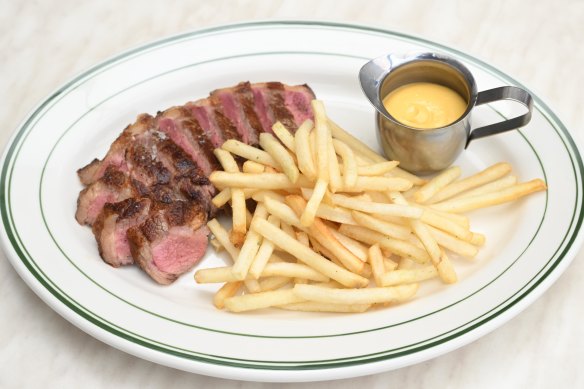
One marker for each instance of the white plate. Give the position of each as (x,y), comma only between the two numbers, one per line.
(529,243)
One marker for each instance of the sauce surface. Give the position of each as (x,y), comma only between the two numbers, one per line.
(425,105)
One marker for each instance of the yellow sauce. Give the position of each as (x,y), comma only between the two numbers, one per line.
(424,105)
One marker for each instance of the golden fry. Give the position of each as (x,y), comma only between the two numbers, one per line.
(436,184)
(261,300)
(391,294)
(270,144)
(284,136)
(483,177)
(303,150)
(249,152)
(349,163)
(489,199)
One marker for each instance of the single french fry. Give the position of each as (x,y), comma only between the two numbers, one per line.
(306,255)
(221,198)
(495,186)
(314,306)
(335,182)
(261,300)
(264,252)
(377,208)
(408,276)
(283,212)
(390,294)
(270,144)
(226,160)
(436,184)
(223,237)
(238,213)
(293,270)
(422,232)
(213,275)
(307,216)
(258,181)
(322,136)
(378,169)
(446,270)
(349,163)
(284,136)
(376,261)
(453,244)
(303,150)
(477,239)
(387,228)
(229,289)
(249,152)
(400,247)
(253,167)
(483,177)
(488,199)
(237,198)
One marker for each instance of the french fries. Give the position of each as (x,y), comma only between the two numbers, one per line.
(337,227)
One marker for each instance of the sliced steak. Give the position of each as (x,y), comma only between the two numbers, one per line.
(184,130)
(149,198)
(113,186)
(111,226)
(276,102)
(171,240)
(234,109)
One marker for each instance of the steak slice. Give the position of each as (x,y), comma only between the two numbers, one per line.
(242,116)
(113,186)
(116,154)
(290,105)
(111,226)
(184,130)
(171,240)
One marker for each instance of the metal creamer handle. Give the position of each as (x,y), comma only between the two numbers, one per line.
(502,93)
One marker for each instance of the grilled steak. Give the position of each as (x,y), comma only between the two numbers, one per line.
(149,198)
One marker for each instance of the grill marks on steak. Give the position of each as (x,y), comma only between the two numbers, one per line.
(113,186)
(166,243)
(149,198)
(110,229)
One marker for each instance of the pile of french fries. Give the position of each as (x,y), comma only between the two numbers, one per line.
(336,227)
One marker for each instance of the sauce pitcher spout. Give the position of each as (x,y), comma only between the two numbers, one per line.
(371,77)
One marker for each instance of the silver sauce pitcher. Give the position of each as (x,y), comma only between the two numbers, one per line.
(425,151)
